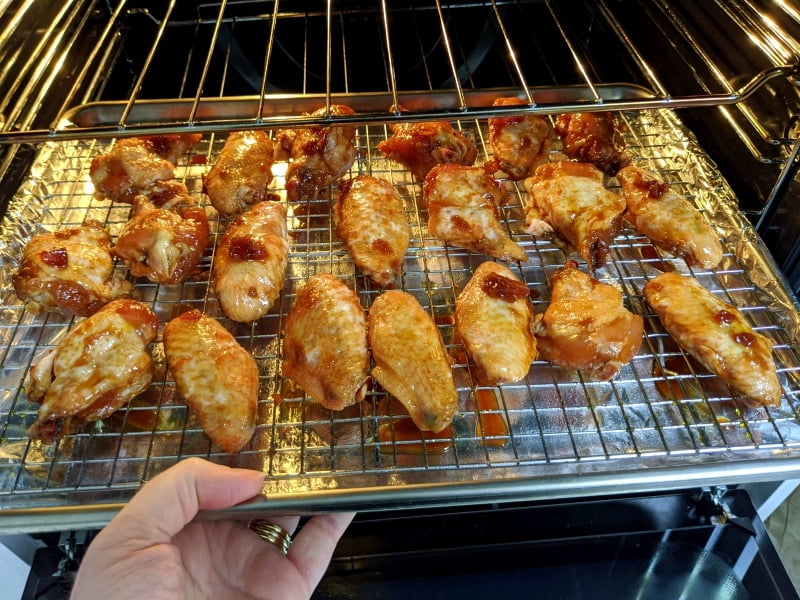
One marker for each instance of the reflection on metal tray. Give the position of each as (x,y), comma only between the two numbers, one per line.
(662,423)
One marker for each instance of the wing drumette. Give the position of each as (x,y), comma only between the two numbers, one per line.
(594,138)
(717,335)
(519,143)
(250,262)
(319,155)
(586,326)
(325,343)
(569,199)
(242,173)
(216,377)
(462,210)
(164,245)
(101,364)
(669,220)
(421,146)
(371,221)
(411,361)
(135,165)
(493,320)
(68,271)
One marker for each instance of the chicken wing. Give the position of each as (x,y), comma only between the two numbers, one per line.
(325,343)
(586,326)
(411,361)
(319,155)
(371,221)
(216,377)
(421,146)
(569,199)
(163,245)
(669,220)
(250,262)
(135,165)
(493,320)
(594,138)
(171,146)
(463,210)
(242,173)
(717,335)
(68,271)
(102,363)
(519,143)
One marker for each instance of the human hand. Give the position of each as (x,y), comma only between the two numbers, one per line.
(153,550)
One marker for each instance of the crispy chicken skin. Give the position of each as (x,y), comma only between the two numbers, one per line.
(68,271)
(669,220)
(493,320)
(250,262)
(163,245)
(421,146)
(569,199)
(135,165)
(717,335)
(594,138)
(411,361)
(586,326)
(242,173)
(463,210)
(102,363)
(371,221)
(519,143)
(318,155)
(325,343)
(216,377)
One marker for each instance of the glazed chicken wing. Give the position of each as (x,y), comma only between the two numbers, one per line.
(101,364)
(68,271)
(216,377)
(163,245)
(593,138)
(421,146)
(669,220)
(411,361)
(493,320)
(135,165)
(717,335)
(171,146)
(586,326)
(569,199)
(242,173)
(519,143)
(319,155)
(372,223)
(325,343)
(250,262)
(463,210)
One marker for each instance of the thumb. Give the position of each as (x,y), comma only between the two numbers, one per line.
(170,500)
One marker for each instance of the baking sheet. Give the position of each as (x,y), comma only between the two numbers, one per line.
(662,422)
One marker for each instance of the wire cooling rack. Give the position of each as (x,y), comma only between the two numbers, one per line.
(549,431)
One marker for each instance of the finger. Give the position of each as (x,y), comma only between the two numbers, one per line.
(170,500)
(313,546)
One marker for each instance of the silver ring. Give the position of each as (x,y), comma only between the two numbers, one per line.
(272,533)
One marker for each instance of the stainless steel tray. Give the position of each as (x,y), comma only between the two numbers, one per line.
(662,423)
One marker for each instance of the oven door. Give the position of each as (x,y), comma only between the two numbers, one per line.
(694,544)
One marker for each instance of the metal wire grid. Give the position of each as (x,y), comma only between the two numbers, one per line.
(661,405)
(212,46)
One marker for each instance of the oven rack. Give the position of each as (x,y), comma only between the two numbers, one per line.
(265,51)
(662,423)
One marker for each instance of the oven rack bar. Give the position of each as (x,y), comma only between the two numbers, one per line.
(210,40)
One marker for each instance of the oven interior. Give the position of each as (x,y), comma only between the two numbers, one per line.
(708,98)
